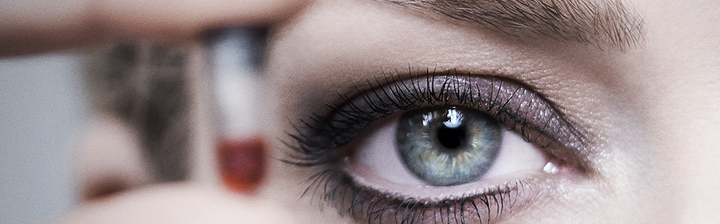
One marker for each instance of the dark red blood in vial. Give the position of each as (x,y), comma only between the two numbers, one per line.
(242,163)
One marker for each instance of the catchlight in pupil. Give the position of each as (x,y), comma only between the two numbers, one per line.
(446,146)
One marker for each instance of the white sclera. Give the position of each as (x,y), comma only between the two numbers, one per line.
(516,155)
(378,155)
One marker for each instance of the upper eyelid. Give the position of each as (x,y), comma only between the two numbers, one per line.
(455,79)
(392,89)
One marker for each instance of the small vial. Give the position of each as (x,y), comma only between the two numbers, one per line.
(235,58)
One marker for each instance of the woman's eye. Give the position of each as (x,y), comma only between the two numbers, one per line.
(433,146)
(441,146)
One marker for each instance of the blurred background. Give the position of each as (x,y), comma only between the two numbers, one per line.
(43,106)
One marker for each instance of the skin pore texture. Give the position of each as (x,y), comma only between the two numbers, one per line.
(647,112)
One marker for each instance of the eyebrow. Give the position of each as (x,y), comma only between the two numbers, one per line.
(600,22)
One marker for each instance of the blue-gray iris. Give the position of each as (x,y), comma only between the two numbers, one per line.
(447,146)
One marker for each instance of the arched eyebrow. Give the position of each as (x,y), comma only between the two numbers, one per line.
(595,22)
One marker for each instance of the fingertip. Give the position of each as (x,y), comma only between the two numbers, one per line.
(169,20)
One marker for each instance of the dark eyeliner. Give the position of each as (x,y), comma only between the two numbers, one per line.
(322,140)
(516,106)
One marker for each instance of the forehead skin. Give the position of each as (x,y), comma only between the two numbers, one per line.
(652,109)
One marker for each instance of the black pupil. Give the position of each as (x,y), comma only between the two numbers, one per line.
(451,138)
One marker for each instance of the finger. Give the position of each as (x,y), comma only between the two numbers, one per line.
(173,19)
(37,25)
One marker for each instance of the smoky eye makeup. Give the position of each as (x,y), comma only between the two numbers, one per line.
(436,147)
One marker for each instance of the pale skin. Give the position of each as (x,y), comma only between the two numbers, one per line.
(652,109)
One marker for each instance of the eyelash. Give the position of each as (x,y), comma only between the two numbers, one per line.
(319,141)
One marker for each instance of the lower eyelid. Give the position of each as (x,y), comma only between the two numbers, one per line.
(487,205)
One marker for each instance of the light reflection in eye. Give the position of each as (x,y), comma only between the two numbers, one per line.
(454,119)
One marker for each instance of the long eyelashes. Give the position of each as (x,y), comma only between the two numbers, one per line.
(517,107)
(323,141)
